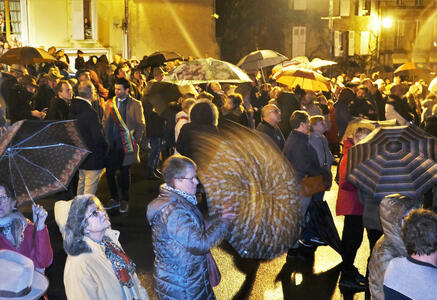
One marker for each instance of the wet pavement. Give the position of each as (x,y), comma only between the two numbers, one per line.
(241,278)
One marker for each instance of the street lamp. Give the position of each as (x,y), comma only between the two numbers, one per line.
(387,22)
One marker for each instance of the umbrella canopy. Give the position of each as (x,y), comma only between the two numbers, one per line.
(158,58)
(205,70)
(26,56)
(410,66)
(364,123)
(160,94)
(318,63)
(260,59)
(242,169)
(433,86)
(39,158)
(306,79)
(398,159)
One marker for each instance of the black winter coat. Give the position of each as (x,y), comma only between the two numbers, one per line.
(58,109)
(273,132)
(92,133)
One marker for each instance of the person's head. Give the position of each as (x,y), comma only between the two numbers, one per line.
(271,114)
(18,70)
(122,71)
(29,82)
(158,73)
(309,97)
(137,74)
(362,91)
(53,77)
(205,95)
(360,133)
(346,95)
(121,88)
(64,90)
(203,112)
(116,58)
(317,124)
(179,172)
(86,90)
(86,218)
(233,100)
(274,92)
(83,75)
(187,103)
(398,90)
(299,121)
(52,50)
(7,201)
(419,232)
(216,87)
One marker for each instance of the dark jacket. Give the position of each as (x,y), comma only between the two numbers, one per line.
(401,107)
(237,115)
(361,107)
(92,133)
(302,155)
(273,132)
(43,97)
(181,242)
(20,104)
(287,103)
(341,110)
(58,109)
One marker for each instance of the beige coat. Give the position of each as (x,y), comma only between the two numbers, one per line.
(91,276)
(134,121)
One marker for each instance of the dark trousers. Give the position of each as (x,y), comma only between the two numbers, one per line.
(115,163)
(155,150)
(351,240)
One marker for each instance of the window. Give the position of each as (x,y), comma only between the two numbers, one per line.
(364,43)
(362,7)
(299,41)
(399,33)
(419,2)
(351,43)
(15,19)
(400,2)
(345,7)
(84,19)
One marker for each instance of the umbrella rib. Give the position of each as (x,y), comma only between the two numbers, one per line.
(42,129)
(21,176)
(45,146)
(39,167)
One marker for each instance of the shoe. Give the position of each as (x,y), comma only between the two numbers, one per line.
(112,203)
(360,278)
(124,206)
(351,283)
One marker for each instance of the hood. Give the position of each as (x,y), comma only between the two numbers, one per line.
(392,210)
(164,198)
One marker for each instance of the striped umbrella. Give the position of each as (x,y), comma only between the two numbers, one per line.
(306,79)
(410,66)
(398,159)
(260,59)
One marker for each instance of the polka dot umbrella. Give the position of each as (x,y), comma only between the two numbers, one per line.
(398,159)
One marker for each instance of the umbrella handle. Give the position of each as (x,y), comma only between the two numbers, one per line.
(35,222)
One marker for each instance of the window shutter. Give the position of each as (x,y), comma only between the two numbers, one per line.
(336,43)
(364,43)
(300,4)
(299,41)
(345,7)
(77,20)
(351,44)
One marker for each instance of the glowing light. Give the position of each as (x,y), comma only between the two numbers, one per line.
(387,22)
(435,44)
(182,29)
(297,278)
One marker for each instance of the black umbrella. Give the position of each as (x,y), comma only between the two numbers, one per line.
(321,223)
(160,94)
(158,58)
(39,158)
(398,159)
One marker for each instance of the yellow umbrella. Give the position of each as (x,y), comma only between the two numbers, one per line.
(410,66)
(306,79)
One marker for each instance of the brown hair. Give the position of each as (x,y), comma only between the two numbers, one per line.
(419,232)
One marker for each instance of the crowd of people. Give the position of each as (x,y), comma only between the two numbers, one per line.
(116,119)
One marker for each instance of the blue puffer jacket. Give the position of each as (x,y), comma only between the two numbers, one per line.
(180,243)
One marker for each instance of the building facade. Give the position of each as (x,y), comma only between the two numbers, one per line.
(133,28)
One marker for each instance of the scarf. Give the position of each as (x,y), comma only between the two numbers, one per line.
(128,141)
(13,232)
(121,264)
(190,198)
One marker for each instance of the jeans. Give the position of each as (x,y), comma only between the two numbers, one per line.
(115,164)
(88,181)
(155,150)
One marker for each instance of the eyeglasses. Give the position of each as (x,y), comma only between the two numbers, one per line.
(95,213)
(4,199)
(188,178)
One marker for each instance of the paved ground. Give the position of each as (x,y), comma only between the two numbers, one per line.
(241,278)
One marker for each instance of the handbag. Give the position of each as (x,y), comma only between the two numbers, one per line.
(214,272)
(312,185)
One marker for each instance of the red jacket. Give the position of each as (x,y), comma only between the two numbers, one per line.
(41,253)
(347,197)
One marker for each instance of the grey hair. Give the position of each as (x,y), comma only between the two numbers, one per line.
(176,167)
(74,229)
(85,90)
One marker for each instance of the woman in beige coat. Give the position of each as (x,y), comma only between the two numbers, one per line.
(96,267)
